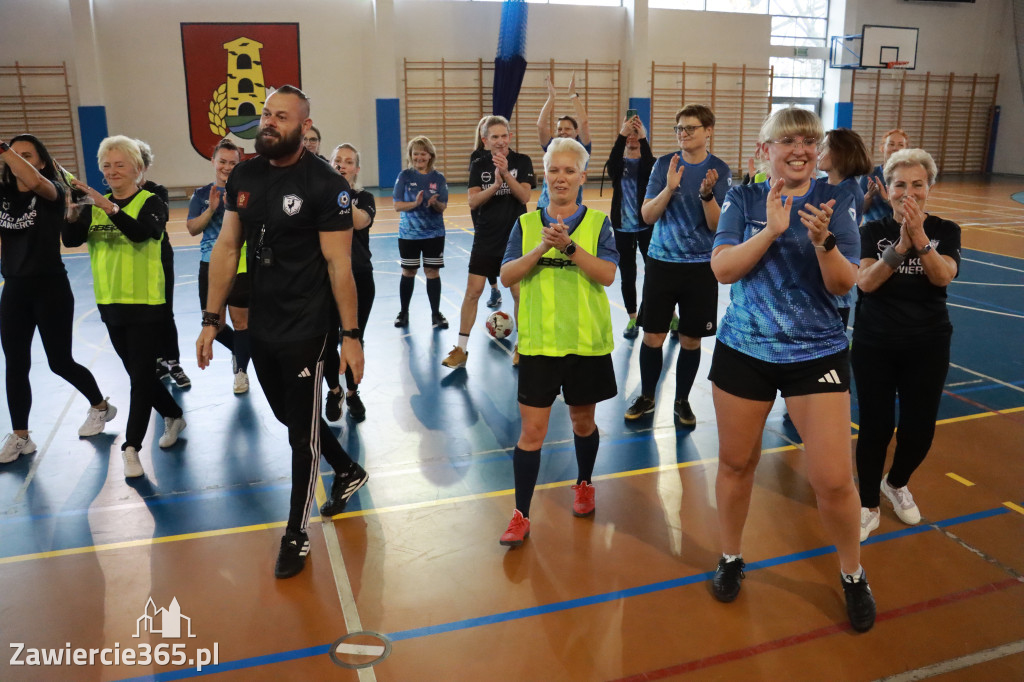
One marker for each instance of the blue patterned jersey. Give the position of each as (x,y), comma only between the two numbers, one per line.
(630,219)
(780,311)
(196,207)
(681,234)
(852,186)
(879,208)
(422,222)
(545,199)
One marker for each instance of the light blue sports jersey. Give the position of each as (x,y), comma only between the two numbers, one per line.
(879,208)
(422,222)
(852,186)
(780,311)
(545,199)
(196,207)
(630,221)
(681,234)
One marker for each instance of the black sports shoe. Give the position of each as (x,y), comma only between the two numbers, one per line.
(726,583)
(292,557)
(332,409)
(860,603)
(345,486)
(179,377)
(439,321)
(641,406)
(684,415)
(403,319)
(356,409)
(162,370)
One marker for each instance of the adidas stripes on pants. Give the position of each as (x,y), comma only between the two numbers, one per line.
(291,374)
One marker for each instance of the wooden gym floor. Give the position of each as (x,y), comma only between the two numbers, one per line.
(416,563)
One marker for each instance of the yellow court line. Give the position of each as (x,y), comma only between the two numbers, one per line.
(1015,507)
(968,417)
(960,479)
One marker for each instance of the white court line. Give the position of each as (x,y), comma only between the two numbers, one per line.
(988,284)
(958,663)
(985,376)
(983,310)
(994,265)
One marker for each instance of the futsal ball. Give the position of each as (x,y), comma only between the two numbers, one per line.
(499,325)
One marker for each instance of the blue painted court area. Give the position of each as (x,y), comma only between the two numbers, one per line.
(1018,197)
(430,433)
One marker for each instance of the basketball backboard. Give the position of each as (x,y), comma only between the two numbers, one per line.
(883,45)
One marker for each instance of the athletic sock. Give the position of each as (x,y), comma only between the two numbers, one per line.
(686,371)
(242,349)
(463,341)
(650,369)
(526,467)
(854,577)
(405,287)
(434,294)
(586,455)
(732,557)
(226,338)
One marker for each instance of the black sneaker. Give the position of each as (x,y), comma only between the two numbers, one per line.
(292,557)
(726,583)
(356,409)
(332,410)
(640,407)
(345,486)
(162,370)
(684,415)
(860,603)
(439,321)
(403,319)
(178,375)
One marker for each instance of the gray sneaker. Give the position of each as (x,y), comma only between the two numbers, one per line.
(96,420)
(172,427)
(15,446)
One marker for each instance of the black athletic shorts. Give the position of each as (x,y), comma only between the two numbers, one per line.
(431,249)
(741,375)
(238,297)
(483,265)
(581,379)
(690,287)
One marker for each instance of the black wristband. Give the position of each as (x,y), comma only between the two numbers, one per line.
(211,319)
(350,333)
(709,197)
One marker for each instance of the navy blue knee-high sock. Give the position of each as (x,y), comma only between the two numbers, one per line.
(526,467)
(650,369)
(434,294)
(242,349)
(405,287)
(586,455)
(686,371)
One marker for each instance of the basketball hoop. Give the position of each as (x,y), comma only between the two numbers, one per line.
(897,69)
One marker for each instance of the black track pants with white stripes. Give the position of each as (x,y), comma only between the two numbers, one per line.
(291,375)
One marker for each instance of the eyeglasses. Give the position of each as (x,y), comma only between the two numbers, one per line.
(689,130)
(789,143)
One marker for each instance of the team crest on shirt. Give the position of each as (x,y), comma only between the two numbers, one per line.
(433,186)
(853,215)
(726,206)
(243,200)
(344,199)
(291,204)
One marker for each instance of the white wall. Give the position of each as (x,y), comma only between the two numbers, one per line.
(144,88)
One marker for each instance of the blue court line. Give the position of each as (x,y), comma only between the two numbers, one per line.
(986,304)
(556,607)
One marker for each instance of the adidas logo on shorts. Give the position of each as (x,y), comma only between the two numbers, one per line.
(304,372)
(830,378)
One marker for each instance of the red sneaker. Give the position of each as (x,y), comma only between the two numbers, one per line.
(518,530)
(583,499)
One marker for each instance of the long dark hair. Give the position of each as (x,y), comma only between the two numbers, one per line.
(50,169)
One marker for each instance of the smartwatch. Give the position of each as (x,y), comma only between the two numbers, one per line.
(924,249)
(709,197)
(350,333)
(570,249)
(828,244)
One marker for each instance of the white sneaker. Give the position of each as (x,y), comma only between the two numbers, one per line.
(868,522)
(132,465)
(15,446)
(172,427)
(96,419)
(241,383)
(902,503)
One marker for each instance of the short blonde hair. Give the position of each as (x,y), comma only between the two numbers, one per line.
(123,144)
(568,145)
(424,142)
(791,121)
(908,158)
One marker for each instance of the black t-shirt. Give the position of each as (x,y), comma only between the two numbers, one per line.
(494,220)
(30,229)
(283,211)
(907,310)
(361,255)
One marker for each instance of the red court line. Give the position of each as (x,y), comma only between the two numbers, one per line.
(1012,417)
(792,640)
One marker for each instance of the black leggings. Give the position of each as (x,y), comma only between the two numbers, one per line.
(627,243)
(167,344)
(365,292)
(46,303)
(136,345)
(290,375)
(917,376)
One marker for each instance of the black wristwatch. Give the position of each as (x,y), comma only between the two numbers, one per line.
(350,333)
(709,197)
(570,249)
(828,244)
